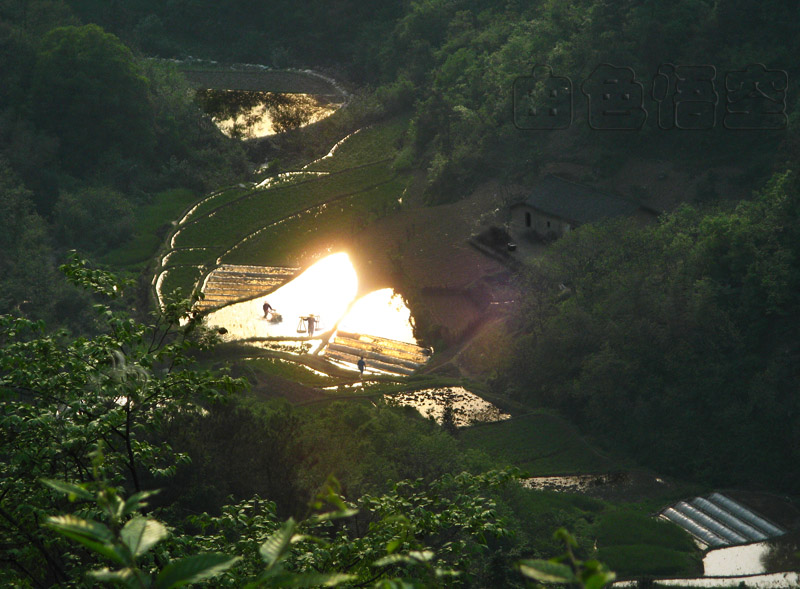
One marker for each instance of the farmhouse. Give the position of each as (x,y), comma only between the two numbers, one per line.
(557,206)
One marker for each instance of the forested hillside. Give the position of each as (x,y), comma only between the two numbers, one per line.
(677,342)
(674,345)
(89,132)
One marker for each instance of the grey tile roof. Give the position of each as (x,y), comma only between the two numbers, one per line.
(575,202)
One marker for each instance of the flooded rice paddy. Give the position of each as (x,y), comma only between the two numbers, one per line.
(248,114)
(769,581)
(381,310)
(736,560)
(570,484)
(377,326)
(324,291)
(468,408)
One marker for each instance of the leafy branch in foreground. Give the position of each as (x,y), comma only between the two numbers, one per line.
(418,536)
(590,574)
(61,396)
(128,538)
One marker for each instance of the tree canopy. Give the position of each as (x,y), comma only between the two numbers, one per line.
(683,328)
(89,91)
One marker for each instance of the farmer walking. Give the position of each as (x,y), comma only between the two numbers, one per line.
(361,366)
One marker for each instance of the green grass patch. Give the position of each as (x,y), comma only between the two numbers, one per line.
(183,277)
(194,256)
(539,502)
(167,206)
(232,223)
(135,252)
(368,145)
(640,559)
(623,527)
(218,199)
(290,371)
(324,228)
(151,224)
(540,444)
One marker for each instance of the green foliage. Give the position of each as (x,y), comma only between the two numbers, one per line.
(99,281)
(417,536)
(590,574)
(59,397)
(88,90)
(93,219)
(237,450)
(366,448)
(87,132)
(26,270)
(681,326)
(541,444)
(128,538)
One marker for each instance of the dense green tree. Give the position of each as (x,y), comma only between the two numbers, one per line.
(88,91)
(417,536)
(238,450)
(61,396)
(365,448)
(93,219)
(26,271)
(681,327)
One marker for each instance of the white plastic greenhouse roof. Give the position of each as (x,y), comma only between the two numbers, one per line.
(718,520)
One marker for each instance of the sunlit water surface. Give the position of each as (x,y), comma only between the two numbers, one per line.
(468,408)
(251,114)
(382,313)
(326,290)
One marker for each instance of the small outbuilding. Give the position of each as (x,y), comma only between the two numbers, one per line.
(556,206)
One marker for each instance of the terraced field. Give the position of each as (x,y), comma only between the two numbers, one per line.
(287,222)
(228,283)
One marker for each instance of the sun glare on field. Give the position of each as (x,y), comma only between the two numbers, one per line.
(325,290)
(382,313)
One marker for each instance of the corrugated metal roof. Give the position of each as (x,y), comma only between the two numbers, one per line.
(575,202)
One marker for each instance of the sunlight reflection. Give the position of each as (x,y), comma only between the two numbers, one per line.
(736,560)
(326,289)
(468,408)
(382,313)
(248,114)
